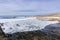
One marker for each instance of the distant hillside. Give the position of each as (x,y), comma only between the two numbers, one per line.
(51,17)
(56,15)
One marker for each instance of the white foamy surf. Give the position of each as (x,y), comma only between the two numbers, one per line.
(21,25)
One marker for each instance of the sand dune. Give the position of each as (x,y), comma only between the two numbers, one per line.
(51,17)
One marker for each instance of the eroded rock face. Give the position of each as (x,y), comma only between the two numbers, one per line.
(53,30)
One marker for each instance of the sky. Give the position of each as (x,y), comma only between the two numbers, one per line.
(29,7)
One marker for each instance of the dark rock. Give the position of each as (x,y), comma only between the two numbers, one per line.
(53,31)
(52,28)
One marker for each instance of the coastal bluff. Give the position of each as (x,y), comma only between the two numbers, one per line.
(50,17)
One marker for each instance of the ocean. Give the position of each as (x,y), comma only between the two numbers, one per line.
(11,26)
(13,16)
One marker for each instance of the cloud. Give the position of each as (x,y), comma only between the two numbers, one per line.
(28,7)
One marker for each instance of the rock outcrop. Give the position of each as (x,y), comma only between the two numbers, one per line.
(53,31)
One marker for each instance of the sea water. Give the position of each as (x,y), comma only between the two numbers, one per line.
(11,26)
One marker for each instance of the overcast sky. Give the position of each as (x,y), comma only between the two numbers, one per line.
(29,7)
